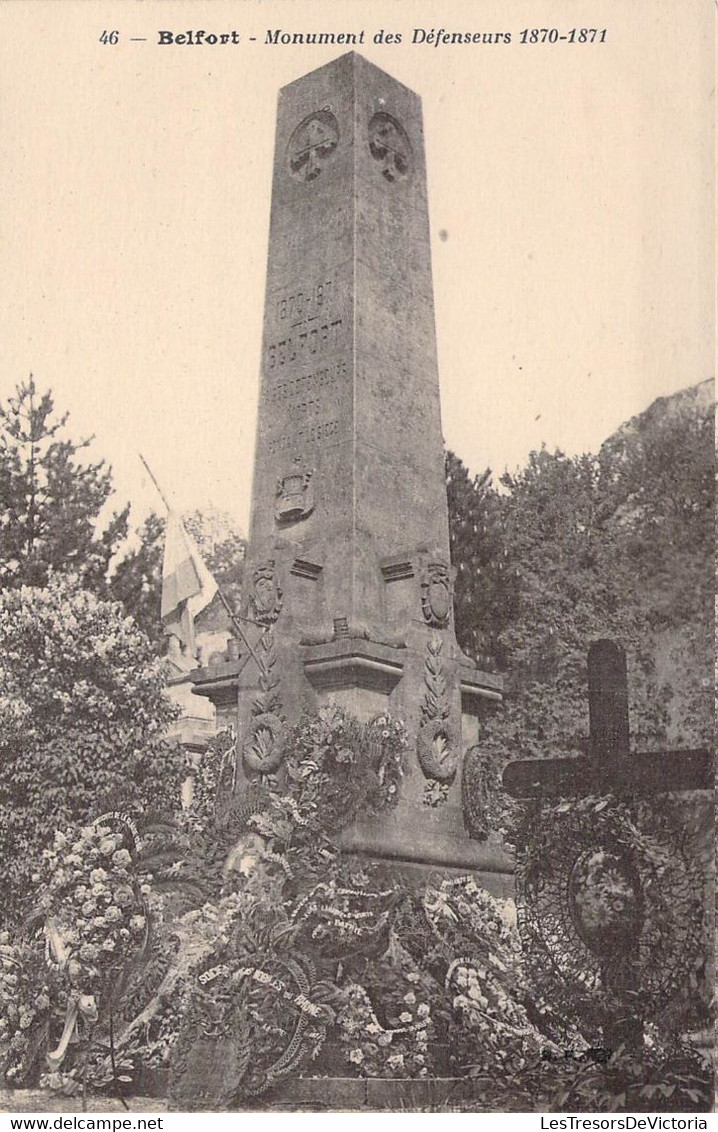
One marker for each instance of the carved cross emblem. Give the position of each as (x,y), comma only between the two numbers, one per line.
(311,144)
(389,145)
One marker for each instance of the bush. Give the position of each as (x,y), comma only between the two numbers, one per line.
(82,719)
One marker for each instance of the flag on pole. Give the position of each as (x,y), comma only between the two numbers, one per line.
(187,585)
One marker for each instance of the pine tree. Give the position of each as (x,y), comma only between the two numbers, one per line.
(50,502)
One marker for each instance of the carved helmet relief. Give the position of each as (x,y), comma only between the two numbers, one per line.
(312,144)
(389,145)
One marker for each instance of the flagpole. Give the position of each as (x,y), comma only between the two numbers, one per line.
(150,474)
(232,616)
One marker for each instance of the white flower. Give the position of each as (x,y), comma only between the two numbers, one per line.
(395,1061)
(423,1010)
(356,1056)
(405,1017)
(409,998)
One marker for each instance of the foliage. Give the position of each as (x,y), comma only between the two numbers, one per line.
(26,985)
(662,1079)
(292,958)
(297,942)
(52,503)
(82,716)
(615,545)
(137,579)
(485,591)
(54,518)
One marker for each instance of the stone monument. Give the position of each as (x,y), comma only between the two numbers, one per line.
(348,583)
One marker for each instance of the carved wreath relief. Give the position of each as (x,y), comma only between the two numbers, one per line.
(312,144)
(389,145)
(263,749)
(436,594)
(436,743)
(265,602)
(295,497)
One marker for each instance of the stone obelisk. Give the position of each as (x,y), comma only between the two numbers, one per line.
(348,578)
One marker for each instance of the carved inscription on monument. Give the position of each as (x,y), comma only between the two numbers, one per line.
(306,382)
(325,430)
(309,323)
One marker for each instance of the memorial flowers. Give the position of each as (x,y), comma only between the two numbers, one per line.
(94,905)
(399,1048)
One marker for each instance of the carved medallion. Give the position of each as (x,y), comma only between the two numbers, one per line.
(265,603)
(390,146)
(436,594)
(312,144)
(295,497)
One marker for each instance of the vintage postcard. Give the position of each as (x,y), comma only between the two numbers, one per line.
(356,465)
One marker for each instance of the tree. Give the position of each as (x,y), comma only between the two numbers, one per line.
(485,585)
(615,545)
(82,720)
(50,502)
(137,579)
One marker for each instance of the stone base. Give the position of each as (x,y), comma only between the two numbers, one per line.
(296,1094)
(424,848)
(349,1094)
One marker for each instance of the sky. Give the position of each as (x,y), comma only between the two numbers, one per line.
(570,197)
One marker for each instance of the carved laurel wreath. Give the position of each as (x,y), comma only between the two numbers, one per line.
(436,750)
(436,742)
(264,747)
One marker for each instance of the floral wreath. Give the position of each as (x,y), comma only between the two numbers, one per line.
(609,913)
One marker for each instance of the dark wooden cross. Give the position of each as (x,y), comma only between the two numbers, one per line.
(610,767)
